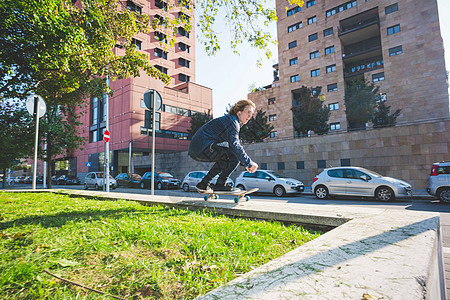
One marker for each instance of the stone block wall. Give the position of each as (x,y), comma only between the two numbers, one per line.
(405,152)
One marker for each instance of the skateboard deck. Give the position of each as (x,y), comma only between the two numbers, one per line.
(239,195)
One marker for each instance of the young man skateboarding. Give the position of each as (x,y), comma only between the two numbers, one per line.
(218,141)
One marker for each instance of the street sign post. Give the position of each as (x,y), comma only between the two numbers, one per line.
(153,101)
(37,108)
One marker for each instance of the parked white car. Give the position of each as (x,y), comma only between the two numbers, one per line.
(193,178)
(439,181)
(356,181)
(268,181)
(97,181)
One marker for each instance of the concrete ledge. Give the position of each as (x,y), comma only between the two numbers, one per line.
(370,253)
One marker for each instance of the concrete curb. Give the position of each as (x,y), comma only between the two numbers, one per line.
(378,253)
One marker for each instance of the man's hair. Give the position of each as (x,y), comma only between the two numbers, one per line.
(240,106)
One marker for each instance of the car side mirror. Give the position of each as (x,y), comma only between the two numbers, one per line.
(268,178)
(364,177)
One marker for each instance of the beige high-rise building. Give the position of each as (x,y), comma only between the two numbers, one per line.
(395,43)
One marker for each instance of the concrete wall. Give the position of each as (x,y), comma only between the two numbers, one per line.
(405,152)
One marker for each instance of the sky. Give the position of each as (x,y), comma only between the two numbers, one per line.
(229,75)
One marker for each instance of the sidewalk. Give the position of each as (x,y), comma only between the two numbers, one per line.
(378,253)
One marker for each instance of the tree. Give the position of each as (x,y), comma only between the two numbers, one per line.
(360,102)
(16,134)
(257,128)
(309,114)
(198,120)
(382,116)
(61,138)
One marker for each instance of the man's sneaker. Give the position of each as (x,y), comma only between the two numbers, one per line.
(203,187)
(225,188)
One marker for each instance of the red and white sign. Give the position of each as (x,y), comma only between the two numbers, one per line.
(106,136)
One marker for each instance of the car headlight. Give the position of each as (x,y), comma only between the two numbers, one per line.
(290,183)
(165,180)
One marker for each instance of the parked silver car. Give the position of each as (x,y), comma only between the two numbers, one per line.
(97,181)
(356,181)
(268,181)
(439,181)
(193,178)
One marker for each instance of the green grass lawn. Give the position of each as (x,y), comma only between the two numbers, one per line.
(126,249)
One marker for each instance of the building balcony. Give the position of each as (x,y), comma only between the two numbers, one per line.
(359,27)
(359,67)
(362,50)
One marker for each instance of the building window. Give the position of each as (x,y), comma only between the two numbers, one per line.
(310,3)
(160,53)
(159,36)
(134,7)
(341,8)
(292,44)
(94,136)
(395,51)
(294,78)
(328,31)
(183,32)
(272,118)
(263,166)
(183,47)
(378,77)
(273,134)
(321,164)
(293,61)
(329,50)
(312,20)
(331,68)
(393,29)
(161,69)
(391,8)
(161,4)
(271,101)
(183,77)
(184,16)
(137,43)
(333,106)
(314,54)
(315,72)
(161,20)
(332,87)
(312,37)
(300,165)
(281,165)
(382,97)
(183,62)
(295,27)
(294,10)
(345,162)
(335,126)
(94,111)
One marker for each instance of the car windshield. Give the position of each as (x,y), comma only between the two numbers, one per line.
(277,175)
(135,176)
(374,174)
(167,175)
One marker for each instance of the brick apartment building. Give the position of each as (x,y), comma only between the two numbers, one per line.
(127,112)
(395,43)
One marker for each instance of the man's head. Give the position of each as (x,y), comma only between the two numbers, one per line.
(244,110)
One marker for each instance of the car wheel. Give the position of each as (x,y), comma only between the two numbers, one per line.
(85,186)
(321,192)
(97,187)
(186,187)
(444,195)
(384,193)
(159,185)
(279,191)
(241,187)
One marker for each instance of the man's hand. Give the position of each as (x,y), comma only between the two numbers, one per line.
(253,168)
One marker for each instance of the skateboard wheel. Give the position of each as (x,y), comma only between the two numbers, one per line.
(236,200)
(206,198)
(247,198)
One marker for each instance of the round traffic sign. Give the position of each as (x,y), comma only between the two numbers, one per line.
(106,136)
(41,105)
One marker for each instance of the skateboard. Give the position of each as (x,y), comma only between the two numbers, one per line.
(243,194)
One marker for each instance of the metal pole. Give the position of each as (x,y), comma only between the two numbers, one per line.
(44,178)
(129,157)
(153,144)
(107,143)
(36,142)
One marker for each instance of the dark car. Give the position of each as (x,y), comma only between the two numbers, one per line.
(66,180)
(163,180)
(39,179)
(128,179)
(28,179)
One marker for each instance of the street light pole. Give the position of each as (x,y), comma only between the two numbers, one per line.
(107,128)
